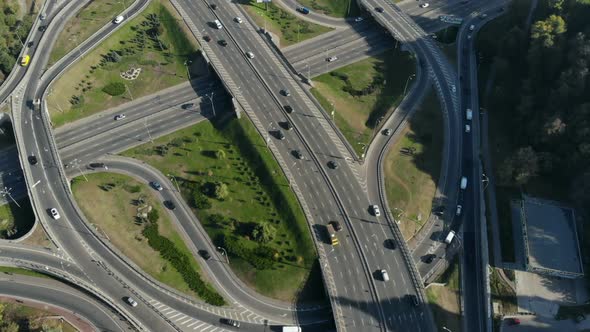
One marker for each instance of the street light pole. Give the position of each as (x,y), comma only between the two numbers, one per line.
(211,101)
(268,134)
(176,182)
(408,81)
(6,192)
(224,253)
(76,163)
(331,103)
(148,130)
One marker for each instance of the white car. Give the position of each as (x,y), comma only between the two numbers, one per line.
(459,208)
(250,55)
(238,20)
(332,59)
(467,128)
(119,117)
(384,275)
(358,19)
(54,213)
(471,27)
(453,88)
(118,19)
(376,211)
(425,5)
(131,302)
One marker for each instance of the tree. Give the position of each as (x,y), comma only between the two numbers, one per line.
(546,31)
(264,232)
(526,165)
(201,201)
(221,191)
(114,88)
(10,327)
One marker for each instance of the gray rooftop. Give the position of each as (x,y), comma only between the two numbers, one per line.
(552,238)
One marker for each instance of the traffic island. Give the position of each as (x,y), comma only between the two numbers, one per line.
(412,168)
(137,225)
(359,96)
(234,186)
(154,42)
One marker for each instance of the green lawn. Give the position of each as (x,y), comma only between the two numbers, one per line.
(16,221)
(86,22)
(411,179)
(288,28)
(25,272)
(335,8)
(79,92)
(382,78)
(109,201)
(231,152)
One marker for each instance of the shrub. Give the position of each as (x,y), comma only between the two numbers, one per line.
(221,191)
(201,201)
(153,215)
(181,263)
(220,154)
(264,232)
(114,88)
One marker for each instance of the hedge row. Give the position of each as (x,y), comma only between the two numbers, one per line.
(181,263)
(260,257)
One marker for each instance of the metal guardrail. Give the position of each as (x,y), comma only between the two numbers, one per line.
(75,281)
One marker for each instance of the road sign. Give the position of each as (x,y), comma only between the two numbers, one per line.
(451,19)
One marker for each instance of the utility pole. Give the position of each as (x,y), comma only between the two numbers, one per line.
(6,192)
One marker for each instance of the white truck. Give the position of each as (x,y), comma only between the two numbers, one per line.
(450,237)
(291,329)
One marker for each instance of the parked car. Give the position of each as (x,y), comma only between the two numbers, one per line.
(156,185)
(54,214)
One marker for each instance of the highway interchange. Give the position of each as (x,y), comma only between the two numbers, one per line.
(359,300)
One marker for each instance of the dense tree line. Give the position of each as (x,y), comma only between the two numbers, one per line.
(13,32)
(542,87)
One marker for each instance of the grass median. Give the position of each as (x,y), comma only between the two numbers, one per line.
(85,23)
(362,93)
(286,26)
(412,167)
(114,204)
(147,54)
(239,193)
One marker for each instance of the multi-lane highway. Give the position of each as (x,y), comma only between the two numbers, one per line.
(262,85)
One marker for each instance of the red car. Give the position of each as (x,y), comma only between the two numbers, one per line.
(513,321)
(207,38)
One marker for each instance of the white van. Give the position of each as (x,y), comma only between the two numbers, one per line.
(463,183)
(217,24)
(450,237)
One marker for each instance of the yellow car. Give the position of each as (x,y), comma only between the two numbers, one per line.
(24,61)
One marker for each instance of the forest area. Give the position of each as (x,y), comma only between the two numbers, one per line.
(14,28)
(542,93)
